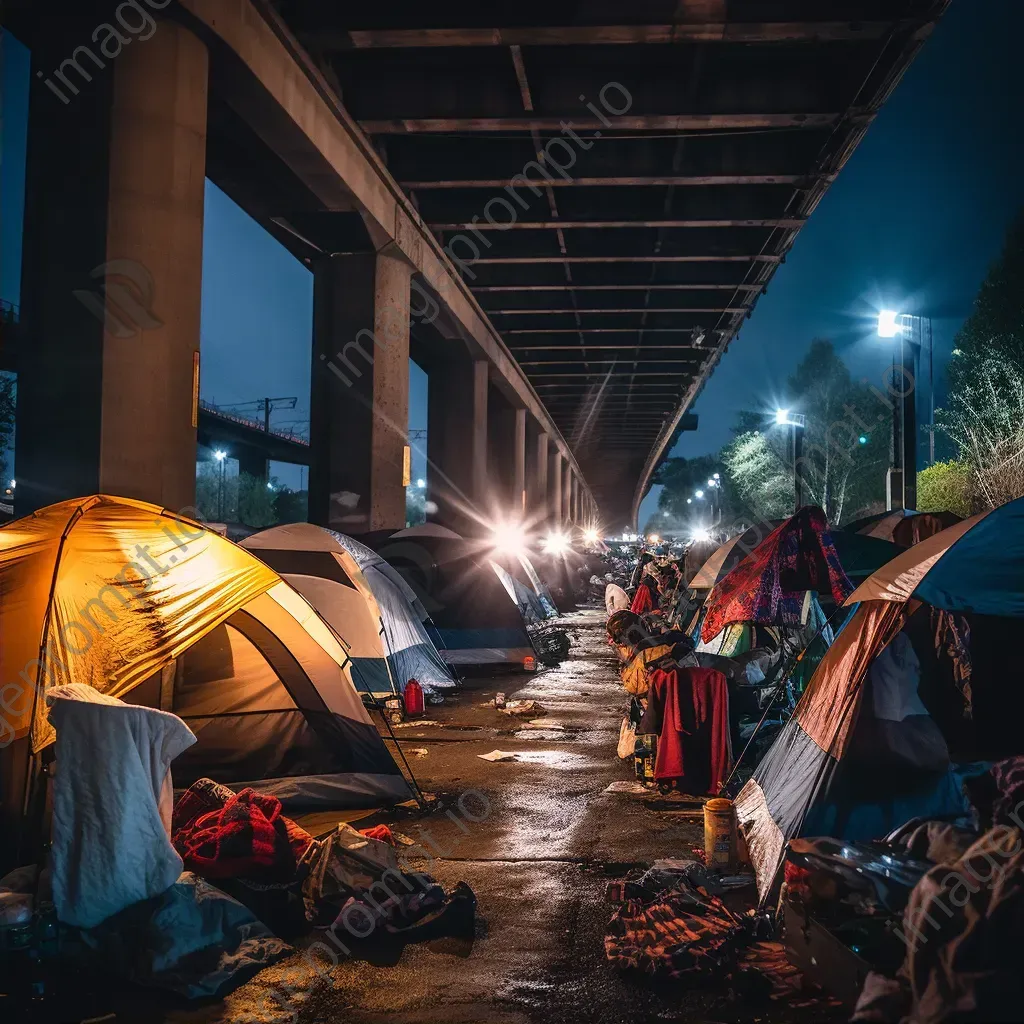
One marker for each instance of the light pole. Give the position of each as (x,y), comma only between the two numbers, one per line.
(912,331)
(796,422)
(221,457)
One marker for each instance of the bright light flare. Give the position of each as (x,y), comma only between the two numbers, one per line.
(888,324)
(700,534)
(555,543)
(590,536)
(509,539)
(654,538)
(781,416)
(219,455)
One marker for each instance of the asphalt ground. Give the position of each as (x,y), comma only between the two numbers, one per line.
(538,839)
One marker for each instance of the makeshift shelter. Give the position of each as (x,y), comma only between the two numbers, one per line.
(473,617)
(372,614)
(770,585)
(859,757)
(727,556)
(904,527)
(127,597)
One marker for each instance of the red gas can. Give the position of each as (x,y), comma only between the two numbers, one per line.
(413,698)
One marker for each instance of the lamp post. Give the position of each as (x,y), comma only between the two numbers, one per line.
(796,423)
(912,331)
(221,457)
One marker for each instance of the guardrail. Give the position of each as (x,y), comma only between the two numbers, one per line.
(244,421)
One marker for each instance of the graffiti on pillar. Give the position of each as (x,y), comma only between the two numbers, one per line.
(123,298)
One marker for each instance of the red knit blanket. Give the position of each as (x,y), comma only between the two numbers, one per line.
(248,837)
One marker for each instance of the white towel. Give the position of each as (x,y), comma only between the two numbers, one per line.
(112,803)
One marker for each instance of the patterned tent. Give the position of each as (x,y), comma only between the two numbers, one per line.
(768,587)
(975,566)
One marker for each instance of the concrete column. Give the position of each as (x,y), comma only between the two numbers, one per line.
(478,427)
(519,463)
(503,497)
(457,441)
(540,505)
(567,494)
(359,404)
(112,279)
(556,476)
(575,501)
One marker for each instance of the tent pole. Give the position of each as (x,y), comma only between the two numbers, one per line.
(780,686)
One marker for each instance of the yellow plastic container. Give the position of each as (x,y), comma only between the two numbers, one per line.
(720,845)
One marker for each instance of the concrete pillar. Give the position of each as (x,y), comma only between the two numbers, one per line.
(567,494)
(540,508)
(359,403)
(457,441)
(503,498)
(556,476)
(519,463)
(111,291)
(575,503)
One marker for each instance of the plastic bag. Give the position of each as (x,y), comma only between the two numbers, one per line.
(627,739)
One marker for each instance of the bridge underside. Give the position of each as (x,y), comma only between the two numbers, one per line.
(619,182)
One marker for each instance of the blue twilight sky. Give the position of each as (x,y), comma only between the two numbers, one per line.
(912,222)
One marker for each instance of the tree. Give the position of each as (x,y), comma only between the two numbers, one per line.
(291,506)
(844,459)
(986,422)
(8,396)
(945,487)
(995,328)
(255,502)
(759,476)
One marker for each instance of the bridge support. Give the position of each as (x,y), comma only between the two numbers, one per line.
(537,484)
(457,443)
(113,248)
(555,478)
(359,402)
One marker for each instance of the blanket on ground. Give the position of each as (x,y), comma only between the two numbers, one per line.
(248,837)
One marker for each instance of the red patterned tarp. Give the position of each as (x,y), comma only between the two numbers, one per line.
(768,586)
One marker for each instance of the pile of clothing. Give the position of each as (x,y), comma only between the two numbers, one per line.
(292,881)
(684,705)
(936,910)
(673,925)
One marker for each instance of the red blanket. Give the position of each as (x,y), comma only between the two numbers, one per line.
(248,837)
(643,599)
(693,741)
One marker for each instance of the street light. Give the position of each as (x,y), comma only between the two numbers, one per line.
(912,331)
(698,494)
(796,422)
(220,456)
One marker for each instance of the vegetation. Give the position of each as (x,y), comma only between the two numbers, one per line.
(842,466)
(945,487)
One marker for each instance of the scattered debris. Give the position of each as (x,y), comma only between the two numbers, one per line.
(499,700)
(402,839)
(630,786)
(415,725)
(524,707)
(418,751)
(499,755)
(539,723)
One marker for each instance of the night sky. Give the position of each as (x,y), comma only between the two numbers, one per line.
(912,224)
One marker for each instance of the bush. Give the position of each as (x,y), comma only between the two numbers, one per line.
(946,487)
(255,502)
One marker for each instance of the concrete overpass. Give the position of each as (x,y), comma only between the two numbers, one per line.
(565,218)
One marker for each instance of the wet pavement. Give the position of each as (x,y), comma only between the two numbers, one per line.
(537,839)
(539,861)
